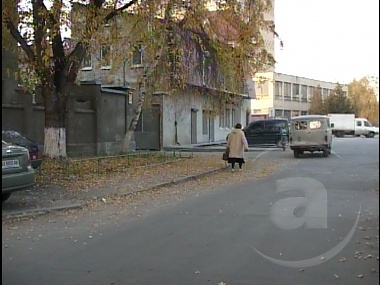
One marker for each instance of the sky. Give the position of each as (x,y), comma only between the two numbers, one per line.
(328,40)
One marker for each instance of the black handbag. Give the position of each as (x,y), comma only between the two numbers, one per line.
(225,154)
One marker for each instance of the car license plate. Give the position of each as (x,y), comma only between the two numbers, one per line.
(11,163)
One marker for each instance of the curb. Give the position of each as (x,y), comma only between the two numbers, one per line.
(44,211)
(41,211)
(174,182)
(215,149)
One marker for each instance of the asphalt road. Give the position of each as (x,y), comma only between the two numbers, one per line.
(311,222)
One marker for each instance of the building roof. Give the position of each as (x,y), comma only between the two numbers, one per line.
(310,117)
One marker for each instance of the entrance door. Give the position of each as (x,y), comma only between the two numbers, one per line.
(193,126)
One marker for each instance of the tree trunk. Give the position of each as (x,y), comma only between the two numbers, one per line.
(55,123)
(132,126)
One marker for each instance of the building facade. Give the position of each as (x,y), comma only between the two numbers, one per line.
(281,95)
(199,113)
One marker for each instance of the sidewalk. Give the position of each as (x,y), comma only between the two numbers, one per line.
(76,193)
(47,198)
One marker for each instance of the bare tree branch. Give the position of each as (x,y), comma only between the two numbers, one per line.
(17,36)
(119,10)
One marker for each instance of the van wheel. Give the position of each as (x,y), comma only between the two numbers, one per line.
(5,197)
(370,135)
(325,152)
(296,153)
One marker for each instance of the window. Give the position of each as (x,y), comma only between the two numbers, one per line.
(367,124)
(287,91)
(303,93)
(258,127)
(359,123)
(137,55)
(300,125)
(325,93)
(287,113)
(295,113)
(228,118)
(221,120)
(204,122)
(233,117)
(310,93)
(87,61)
(105,57)
(278,90)
(273,127)
(303,113)
(296,92)
(278,113)
(315,125)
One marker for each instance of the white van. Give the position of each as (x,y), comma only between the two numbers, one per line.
(310,133)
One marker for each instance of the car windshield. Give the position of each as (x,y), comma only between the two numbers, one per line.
(14,137)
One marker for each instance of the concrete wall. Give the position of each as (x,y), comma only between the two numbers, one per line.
(97,120)
(179,108)
(9,84)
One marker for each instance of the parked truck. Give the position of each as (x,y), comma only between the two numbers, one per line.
(347,124)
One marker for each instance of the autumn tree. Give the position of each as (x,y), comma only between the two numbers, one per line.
(316,104)
(337,102)
(160,27)
(38,31)
(362,94)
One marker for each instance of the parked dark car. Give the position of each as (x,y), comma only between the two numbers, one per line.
(17,172)
(265,132)
(16,138)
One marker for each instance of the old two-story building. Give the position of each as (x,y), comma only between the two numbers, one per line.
(282,95)
(199,113)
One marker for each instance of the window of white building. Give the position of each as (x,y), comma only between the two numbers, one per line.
(278,90)
(304,93)
(296,92)
(287,91)
(325,93)
(310,92)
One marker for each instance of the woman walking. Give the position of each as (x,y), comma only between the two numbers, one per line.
(236,145)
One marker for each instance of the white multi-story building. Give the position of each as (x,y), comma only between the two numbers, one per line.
(281,95)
